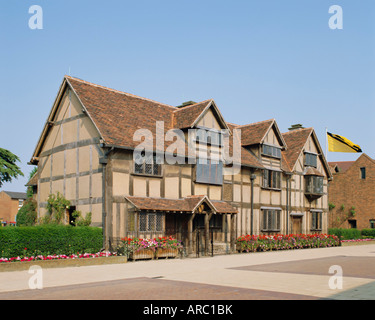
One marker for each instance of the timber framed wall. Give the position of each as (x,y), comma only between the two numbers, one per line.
(69,160)
(95,170)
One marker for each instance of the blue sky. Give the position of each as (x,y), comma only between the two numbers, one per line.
(257,59)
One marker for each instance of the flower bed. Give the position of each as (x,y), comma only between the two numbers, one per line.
(58,257)
(136,248)
(168,243)
(357,240)
(248,243)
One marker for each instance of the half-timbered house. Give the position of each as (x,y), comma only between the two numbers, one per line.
(86,152)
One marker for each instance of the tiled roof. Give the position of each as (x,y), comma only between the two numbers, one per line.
(33,180)
(188,204)
(295,140)
(310,171)
(342,165)
(254,133)
(118,115)
(186,116)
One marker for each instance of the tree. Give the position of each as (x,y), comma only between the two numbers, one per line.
(27,215)
(29,190)
(8,167)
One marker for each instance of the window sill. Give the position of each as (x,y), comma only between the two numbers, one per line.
(209,183)
(147,175)
(269,156)
(271,189)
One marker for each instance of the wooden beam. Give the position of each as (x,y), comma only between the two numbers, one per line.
(190,233)
(232,232)
(207,219)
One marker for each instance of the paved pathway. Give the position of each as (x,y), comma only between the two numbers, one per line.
(297,274)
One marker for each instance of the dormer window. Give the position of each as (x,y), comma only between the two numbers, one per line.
(271,151)
(311,159)
(209,137)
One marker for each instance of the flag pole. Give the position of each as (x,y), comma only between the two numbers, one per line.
(326,144)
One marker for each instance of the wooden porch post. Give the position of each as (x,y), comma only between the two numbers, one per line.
(207,219)
(190,234)
(232,232)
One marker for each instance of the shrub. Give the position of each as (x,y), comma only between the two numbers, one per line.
(27,215)
(368,233)
(49,239)
(345,234)
(79,221)
(56,207)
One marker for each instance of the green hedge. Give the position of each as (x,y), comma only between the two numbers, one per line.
(368,233)
(49,240)
(349,234)
(346,234)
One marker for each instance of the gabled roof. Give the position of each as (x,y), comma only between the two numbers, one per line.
(344,166)
(255,133)
(341,165)
(188,204)
(33,180)
(185,117)
(296,141)
(118,115)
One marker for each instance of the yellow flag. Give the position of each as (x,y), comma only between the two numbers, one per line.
(337,143)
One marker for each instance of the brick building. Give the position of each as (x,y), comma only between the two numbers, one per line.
(10,203)
(352,193)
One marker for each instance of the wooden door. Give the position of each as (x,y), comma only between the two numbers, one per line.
(297,225)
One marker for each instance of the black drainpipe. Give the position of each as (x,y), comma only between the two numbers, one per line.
(287,202)
(103,161)
(252,178)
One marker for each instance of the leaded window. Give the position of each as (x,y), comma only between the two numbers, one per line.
(271,151)
(208,137)
(271,220)
(311,160)
(209,171)
(150,165)
(150,222)
(271,179)
(316,220)
(314,185)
